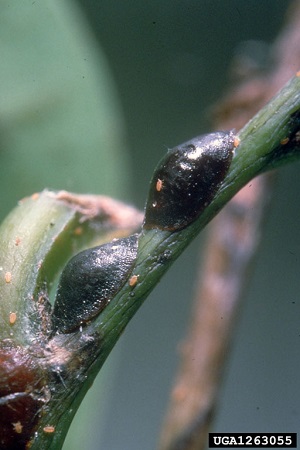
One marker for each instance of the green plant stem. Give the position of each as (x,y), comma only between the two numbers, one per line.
(260,150)
(71,361)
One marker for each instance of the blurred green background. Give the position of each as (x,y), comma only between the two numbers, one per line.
(92,94)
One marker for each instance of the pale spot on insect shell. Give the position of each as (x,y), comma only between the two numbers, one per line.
(18,427)
(194,154)
(159,185)
(133,280)
(7,277)
(236,142)
(49,429)
(12,318)
(154,204)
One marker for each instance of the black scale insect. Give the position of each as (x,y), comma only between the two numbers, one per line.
(187,179)
(184,183)
(89,280)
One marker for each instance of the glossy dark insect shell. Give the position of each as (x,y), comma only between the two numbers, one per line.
(189,177)
(89,281)
(23,394)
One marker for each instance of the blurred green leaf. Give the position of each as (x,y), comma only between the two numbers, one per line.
(60,123)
